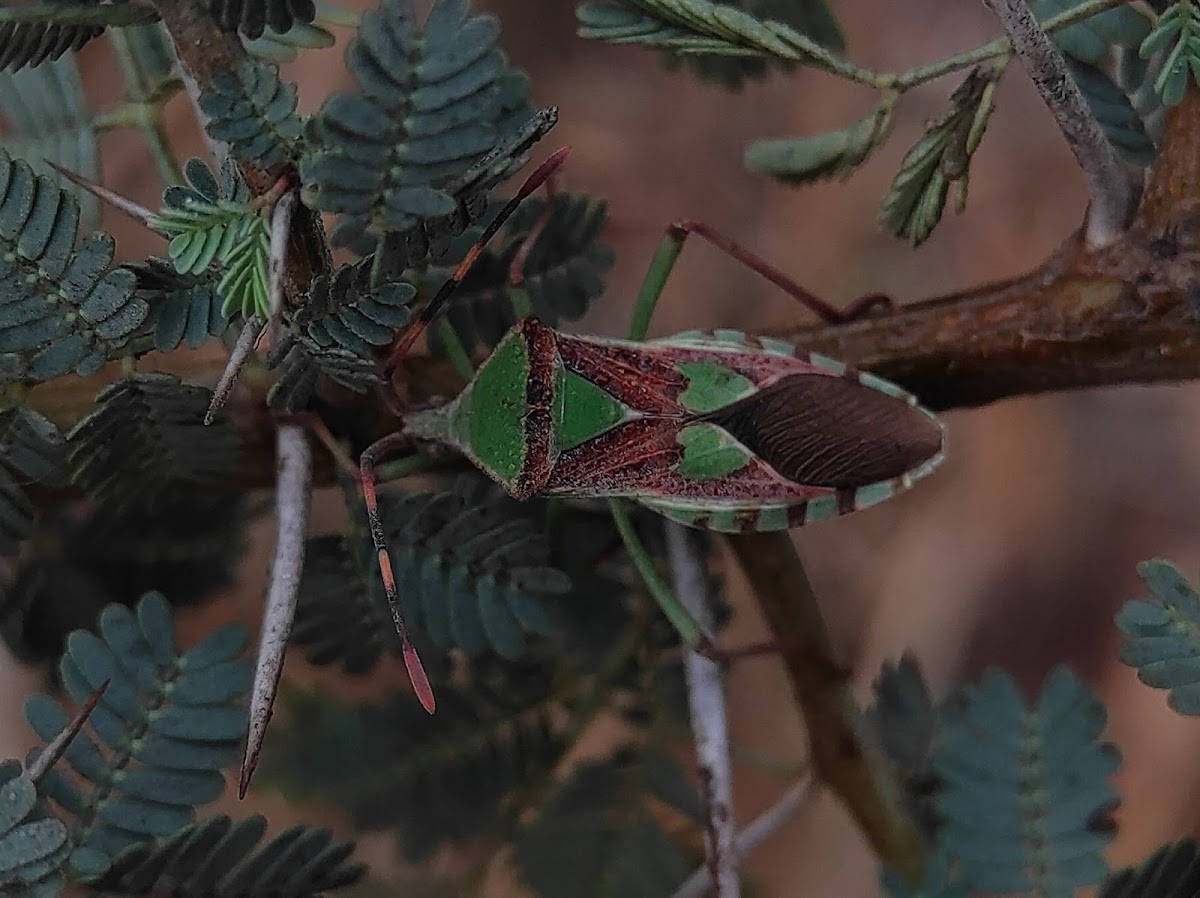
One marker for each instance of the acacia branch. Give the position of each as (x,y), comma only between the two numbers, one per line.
(706,704)
(1123,313)
(842,758)
(1108,183)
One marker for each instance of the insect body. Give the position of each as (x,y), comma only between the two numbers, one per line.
(719,430)
(723,431)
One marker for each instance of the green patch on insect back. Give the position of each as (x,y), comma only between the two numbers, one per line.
(709,452)
(712,386)
(586,411)
(496,422)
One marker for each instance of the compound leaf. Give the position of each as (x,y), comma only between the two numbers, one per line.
(36,32)
(1162,635)
(1122,124)
(913,204)
(31,451)
(255,113)
(33,845)
(252,17)
(61,310)
(433,779)
(147,436)
(185,309)
(165,725)
(1177,35)
(802,160)
(222,859)
(431,103)
(1025,790)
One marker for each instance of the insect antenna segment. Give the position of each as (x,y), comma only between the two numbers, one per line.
(427,314)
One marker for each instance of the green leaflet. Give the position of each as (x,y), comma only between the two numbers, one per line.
(1162,635)
(184,707)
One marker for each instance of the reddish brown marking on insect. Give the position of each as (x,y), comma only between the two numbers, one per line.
(746,521)
(539,408)
(797,515)
(418,678)
(385,568)
(845,501)
(642,380)
(638,459)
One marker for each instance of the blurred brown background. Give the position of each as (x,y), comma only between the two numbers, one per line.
(1017,553)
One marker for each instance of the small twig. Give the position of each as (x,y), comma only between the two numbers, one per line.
(706,703)
(292,499)
(233,367)
(842,757)
(699,883)
(281,229)
(49,755)
(1108,182)
(140,214)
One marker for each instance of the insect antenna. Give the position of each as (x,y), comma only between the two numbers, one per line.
(427,314)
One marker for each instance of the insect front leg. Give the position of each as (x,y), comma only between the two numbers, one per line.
(368,461)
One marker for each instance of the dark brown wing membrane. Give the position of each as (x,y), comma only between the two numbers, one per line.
(831,431)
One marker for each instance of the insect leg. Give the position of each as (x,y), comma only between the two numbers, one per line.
(367,463)
(672,245)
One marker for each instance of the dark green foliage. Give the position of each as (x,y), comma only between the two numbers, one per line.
(48,120)
(168,721)
(31,451)
(222,859)
(33,846)
(434,779)
(1026,790)
(835,154)
(1113,110)
(213,227)
(61,310)
(432,239)
(43,31)
(698,27)
(812,18)
(301,361)
(186,545)
(255,113)
(146,436)
(563,272)
(346,311)
(1171,872)
(1178,28)
(596,836)
(904,720)
(472,574)
(185,309)
(914,201)
(1161,635)
(431,104)
(251,17)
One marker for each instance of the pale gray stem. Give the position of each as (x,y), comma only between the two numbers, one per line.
(292,500)
(281,228)
(1108,181)
(706,703)
(49,755)
(237,361)
(698,884)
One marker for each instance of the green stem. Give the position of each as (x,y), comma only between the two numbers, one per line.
(145,109)
(522,305)
(993,49)
(688,629)
(455,351)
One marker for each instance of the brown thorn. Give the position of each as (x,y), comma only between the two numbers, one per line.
(49,755)
(138,213)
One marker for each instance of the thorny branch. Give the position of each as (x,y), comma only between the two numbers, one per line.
(842,757)
(706,704)
(697,885)
(1107,180)
(292,500)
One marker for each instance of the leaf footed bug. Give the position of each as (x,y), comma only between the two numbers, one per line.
(719,430)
